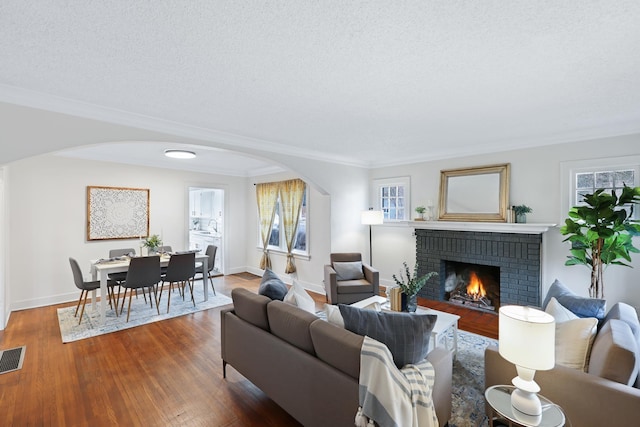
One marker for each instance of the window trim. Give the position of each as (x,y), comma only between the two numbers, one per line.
(404,181)
(569,169)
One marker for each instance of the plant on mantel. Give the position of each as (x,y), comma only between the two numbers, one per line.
(601,233)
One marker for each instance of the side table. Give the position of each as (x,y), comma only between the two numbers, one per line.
(499,399)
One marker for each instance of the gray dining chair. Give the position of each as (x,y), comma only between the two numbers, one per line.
(85,287)
(211,254)
(120,276)
(180,272)
(143,273)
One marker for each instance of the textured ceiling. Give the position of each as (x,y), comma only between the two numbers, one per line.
(367,83)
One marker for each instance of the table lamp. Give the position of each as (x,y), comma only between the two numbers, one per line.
(527,339)
(370,218)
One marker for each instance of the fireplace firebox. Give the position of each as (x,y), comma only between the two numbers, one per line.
(472,285)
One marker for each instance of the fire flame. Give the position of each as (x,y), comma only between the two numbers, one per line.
(475,288)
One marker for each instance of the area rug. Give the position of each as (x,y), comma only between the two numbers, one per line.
(468,408)
(141,314)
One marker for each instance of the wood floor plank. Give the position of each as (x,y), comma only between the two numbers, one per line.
(166,373)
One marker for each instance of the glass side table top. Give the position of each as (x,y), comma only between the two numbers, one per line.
(499,398)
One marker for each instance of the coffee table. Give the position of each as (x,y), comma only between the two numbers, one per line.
(439,335)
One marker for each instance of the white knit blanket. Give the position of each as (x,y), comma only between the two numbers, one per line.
(390,396)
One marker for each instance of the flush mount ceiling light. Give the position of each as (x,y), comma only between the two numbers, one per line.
(179,154)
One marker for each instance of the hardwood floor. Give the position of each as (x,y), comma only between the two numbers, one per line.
(166,373)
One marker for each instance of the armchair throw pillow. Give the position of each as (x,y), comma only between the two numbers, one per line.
(348,270)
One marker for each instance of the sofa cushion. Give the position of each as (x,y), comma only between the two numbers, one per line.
(580,306)
(348,270)
(251,307)
(614,353)
(559,312)
(405,334)
(628,314)
(574,339)
(332,313)
(354,286)
(299,297)
(271,286)
(291,324)
(337,347)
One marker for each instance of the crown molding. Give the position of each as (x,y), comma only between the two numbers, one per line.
(226,140)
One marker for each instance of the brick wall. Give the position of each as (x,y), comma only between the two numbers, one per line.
(517,256)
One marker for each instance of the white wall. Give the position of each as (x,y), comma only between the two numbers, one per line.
(46,201)
(535,181)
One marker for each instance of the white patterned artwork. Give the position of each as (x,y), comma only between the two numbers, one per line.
(117,213)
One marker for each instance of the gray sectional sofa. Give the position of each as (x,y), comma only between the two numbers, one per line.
(307,365)
(607,394)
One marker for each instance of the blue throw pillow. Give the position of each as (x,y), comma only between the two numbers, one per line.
(271,286)
(580,306)
(406,335)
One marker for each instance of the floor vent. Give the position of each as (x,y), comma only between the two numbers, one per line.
(11,360)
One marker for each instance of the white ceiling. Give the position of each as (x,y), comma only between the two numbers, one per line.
(371,83)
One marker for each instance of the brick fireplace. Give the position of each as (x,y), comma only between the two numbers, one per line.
(514,259)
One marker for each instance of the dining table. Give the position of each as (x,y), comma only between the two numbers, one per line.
(101,268)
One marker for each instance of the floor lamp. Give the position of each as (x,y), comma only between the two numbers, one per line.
(370,218)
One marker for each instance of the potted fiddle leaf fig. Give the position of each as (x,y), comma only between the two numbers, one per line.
(411,285)
(601,233)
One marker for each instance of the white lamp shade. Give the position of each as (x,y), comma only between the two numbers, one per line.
(372,217)
(527,337)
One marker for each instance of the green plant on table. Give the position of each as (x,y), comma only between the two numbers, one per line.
(601,232)
(152,242)
(412,284)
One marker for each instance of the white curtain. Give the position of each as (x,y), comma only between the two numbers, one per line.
(267,197)
(291,196)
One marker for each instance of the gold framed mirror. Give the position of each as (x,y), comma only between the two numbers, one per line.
(477,194)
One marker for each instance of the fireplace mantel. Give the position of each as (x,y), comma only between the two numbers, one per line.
(494,227)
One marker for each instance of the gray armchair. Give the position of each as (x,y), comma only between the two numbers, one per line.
(348,280)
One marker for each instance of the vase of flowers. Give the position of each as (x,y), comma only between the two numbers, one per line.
(152,243)
(410,284)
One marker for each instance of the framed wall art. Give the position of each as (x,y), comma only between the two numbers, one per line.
(117,213)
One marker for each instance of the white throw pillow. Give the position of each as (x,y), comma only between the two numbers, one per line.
(559,312)
(299,297)
(348,270)
(574,339)
(333,315)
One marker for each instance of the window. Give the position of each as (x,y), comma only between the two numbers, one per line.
(392,198)
(277,241)
(585,176)
(610,180)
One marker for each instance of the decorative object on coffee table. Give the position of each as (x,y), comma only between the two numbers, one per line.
(411,286)
(601,232)
(520,212)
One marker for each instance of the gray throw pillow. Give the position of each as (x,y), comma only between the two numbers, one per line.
(271,286)
(405,334)
(348,270)
(580,306)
